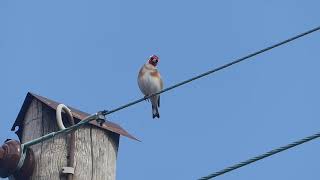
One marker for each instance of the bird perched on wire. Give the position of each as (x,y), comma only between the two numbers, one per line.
(150,82)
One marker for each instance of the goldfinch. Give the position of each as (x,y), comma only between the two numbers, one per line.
(150,82)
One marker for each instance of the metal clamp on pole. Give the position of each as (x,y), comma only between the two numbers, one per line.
(101,118)
(67,170)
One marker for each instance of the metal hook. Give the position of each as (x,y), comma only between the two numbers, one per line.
(59,115)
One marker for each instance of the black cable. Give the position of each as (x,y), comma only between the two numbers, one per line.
(257,158)
(97,116)
(214,70)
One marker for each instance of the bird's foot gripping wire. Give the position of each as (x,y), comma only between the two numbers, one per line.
(101,118)
(146,98)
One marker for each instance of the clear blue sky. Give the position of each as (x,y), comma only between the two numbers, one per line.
(205,126)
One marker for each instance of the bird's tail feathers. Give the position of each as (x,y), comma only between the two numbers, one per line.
(155,112)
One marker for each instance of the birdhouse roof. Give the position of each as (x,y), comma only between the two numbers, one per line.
(77,114)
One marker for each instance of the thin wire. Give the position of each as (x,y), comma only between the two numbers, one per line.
(257,158)
(214,70)
(105,112)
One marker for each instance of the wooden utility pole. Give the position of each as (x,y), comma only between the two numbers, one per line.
(96,146)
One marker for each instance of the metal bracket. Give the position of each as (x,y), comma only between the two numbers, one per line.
(101,118)
(67,170)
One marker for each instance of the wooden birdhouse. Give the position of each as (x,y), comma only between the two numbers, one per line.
(95,145)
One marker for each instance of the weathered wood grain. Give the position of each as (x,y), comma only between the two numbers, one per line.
(82,160)
(112,154)
(54,151)
(33,128)
(95,149)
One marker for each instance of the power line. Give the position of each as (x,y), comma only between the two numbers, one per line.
(257,158)
(214,70)
(100,115)
(97,116)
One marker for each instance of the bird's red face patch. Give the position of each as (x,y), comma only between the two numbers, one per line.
(154,60)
